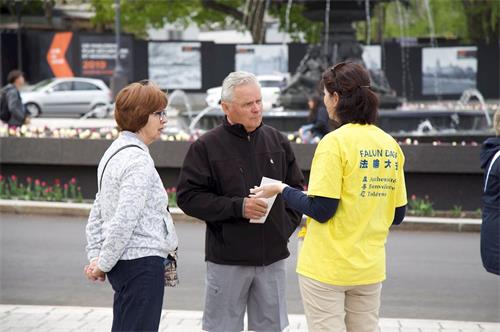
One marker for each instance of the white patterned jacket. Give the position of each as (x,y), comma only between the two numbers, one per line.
(129,217)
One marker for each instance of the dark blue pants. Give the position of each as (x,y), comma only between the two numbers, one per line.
(139,286)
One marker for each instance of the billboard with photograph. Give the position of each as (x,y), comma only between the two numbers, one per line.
(372,57)
(175,65)
(448,70)
(262,59)
(98,54)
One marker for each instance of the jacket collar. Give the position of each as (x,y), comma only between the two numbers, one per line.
(238,129)
(132,138)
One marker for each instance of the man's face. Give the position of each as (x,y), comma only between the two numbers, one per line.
(246,106)
(19,82)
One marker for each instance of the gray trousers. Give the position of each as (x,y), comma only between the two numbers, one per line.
(233,289)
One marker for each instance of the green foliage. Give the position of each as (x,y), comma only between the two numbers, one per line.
(172,197)
(456,211)
(298,24)
(139,15)
(468,20)
(421,206)
(12,188)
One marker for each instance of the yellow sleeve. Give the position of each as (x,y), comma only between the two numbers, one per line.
(401,197)
(325,179)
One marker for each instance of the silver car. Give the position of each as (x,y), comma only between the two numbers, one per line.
(66,96)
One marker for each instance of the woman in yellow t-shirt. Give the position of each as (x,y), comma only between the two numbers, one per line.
(356,192)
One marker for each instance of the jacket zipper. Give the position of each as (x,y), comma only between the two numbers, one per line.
(254,167)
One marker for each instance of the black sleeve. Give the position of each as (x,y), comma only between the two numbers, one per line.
(319,208)
(294,178)
(196,193)
(399,215)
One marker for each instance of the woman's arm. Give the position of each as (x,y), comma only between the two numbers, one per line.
(319,208)
(93,231)
(399,215)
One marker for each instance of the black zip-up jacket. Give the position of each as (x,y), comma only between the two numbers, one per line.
(218,172)
(18,112)
(490,228)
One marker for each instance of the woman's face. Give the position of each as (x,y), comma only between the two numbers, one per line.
(152,130)
(310,104)
(331,101)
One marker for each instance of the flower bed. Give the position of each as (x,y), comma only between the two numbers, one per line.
(38,190)
(110,133)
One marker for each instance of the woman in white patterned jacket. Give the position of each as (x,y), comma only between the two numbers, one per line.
(130,231)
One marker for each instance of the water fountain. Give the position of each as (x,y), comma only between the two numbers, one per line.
(338,44)
(443,121)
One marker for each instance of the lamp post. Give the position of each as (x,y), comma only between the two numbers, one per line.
(18,6)
(119,80)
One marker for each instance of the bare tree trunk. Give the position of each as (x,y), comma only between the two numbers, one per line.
(253,20)
(381,22)
(48,7)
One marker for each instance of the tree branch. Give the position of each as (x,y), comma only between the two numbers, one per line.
(214,5)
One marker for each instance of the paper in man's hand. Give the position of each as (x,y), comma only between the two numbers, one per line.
(270,200)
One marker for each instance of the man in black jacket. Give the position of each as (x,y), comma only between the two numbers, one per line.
(18,113)
(245,261)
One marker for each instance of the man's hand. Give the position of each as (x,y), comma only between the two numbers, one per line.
(255,208)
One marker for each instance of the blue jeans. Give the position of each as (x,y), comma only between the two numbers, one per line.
(139,287)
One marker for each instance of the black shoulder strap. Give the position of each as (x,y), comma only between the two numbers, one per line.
(123,147)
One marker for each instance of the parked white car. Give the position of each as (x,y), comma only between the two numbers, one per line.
(270,88)
(66,96)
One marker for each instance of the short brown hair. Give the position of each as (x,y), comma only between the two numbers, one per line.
(135,102)
(14,75)
(357,103)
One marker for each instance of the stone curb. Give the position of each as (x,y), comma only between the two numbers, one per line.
(51,318)
(83,209)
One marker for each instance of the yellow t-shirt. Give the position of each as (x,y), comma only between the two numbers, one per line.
(363,167)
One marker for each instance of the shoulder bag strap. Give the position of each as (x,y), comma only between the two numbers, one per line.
(123,147)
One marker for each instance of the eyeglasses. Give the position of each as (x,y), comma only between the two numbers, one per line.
(160,114)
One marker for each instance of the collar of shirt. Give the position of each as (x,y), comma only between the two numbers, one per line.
(239,129)
(134,139)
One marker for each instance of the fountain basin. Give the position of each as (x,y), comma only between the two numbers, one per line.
(429,125)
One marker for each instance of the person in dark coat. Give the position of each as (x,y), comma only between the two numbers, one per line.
(318,117)
(245,252)
(19,115)
(490,228)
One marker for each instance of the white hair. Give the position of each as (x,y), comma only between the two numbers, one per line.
(233,80)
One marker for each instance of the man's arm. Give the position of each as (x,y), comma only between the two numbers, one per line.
(196,194)
(15,106)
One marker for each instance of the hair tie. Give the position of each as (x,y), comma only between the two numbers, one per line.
(364,86)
